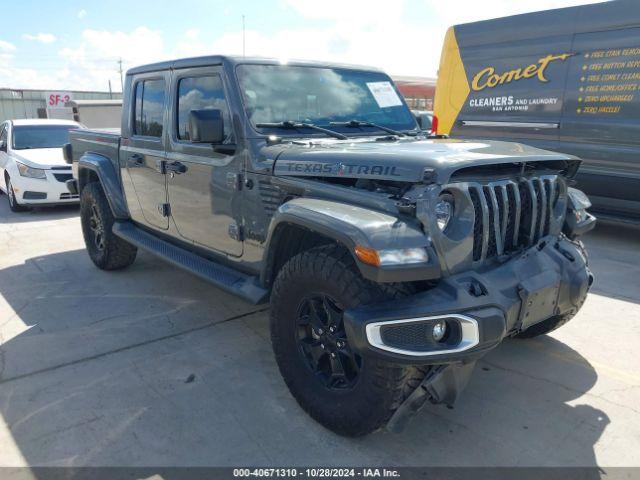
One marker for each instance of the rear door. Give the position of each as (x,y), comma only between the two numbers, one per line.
(144,152)
(600,117)
(205,197)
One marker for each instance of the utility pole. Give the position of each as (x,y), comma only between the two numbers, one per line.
(120,71)
(110,93)
(243,37)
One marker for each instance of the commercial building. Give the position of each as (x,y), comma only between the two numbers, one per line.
(15,103)
(417,91)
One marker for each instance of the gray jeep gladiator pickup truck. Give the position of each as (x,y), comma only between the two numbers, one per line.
(392,261)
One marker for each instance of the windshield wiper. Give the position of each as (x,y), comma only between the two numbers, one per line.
(359,123)
(290,125)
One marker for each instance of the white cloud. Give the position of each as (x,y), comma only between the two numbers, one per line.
(6,46)
(82,13)
(192,33)
(40,37)
(95,61)
(141,45)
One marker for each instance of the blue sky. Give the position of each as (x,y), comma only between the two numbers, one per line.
(76,44)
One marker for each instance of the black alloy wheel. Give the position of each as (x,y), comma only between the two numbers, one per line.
(323,343)
(97,228)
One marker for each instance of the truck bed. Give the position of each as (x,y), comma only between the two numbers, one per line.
(104,142)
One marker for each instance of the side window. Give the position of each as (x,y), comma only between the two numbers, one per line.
(149,108)
(199,93)
(3,134)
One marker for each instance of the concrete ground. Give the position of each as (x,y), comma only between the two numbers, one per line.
(151,366)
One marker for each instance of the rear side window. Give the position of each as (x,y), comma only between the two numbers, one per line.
(200,93)
(3,134)
(149,108)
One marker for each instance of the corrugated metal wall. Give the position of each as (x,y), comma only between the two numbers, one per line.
(25,103)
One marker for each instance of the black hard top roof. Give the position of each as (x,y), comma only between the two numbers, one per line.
(235,60)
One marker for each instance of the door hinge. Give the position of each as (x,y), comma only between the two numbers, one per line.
(164,209)
(236,232)
(161,166)
(234,181)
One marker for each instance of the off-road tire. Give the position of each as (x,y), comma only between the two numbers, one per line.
(115,252)
(14,206)
(380,388)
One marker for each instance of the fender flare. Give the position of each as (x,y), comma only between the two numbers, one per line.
(350,225)
(108,178)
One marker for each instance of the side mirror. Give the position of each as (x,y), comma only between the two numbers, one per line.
(67,153)
(3,145)
(206,126)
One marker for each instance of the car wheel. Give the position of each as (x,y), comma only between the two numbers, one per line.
(106,250)
(14,206)
(345,392)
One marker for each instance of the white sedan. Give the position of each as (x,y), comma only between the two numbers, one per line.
(32,167)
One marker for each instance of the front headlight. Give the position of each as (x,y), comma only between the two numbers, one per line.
(444,211)
(26,171)
(578,203)
(399,256)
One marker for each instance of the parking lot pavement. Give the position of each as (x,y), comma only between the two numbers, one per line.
(151,366)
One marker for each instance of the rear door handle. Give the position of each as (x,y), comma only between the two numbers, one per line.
(176,167)
(136,159)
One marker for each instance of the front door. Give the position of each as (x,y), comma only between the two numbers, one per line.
(144,152)
(204,191)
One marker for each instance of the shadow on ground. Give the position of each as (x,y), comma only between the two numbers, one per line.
(151,366)
(36,214)
(614,257)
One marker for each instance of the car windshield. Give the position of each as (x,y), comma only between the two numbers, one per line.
(40,136)
(320,96)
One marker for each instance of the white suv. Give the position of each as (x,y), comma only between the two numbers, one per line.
(32,167)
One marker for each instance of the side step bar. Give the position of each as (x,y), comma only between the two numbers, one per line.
(240,284)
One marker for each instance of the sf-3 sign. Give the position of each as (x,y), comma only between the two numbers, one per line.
(58,99)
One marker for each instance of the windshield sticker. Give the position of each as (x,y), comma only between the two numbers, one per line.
(384,94)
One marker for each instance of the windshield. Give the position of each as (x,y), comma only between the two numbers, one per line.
(41,136)
(319,96)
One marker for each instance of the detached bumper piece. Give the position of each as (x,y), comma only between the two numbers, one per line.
(442,384)
(475,310)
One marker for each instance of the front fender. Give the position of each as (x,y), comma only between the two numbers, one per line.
(108,177)
(352,225)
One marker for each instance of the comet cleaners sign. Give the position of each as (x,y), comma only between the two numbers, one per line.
(488,78)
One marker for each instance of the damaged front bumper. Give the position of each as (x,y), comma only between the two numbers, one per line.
(480,308)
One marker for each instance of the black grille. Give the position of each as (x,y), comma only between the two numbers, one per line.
(63,177)
(510,215)
(417,336)
(477,226)
(492,247)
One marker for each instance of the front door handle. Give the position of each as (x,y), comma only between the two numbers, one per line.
(136,159)
(176,167)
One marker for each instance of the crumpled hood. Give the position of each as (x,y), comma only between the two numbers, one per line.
(40,157)
(404,160)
